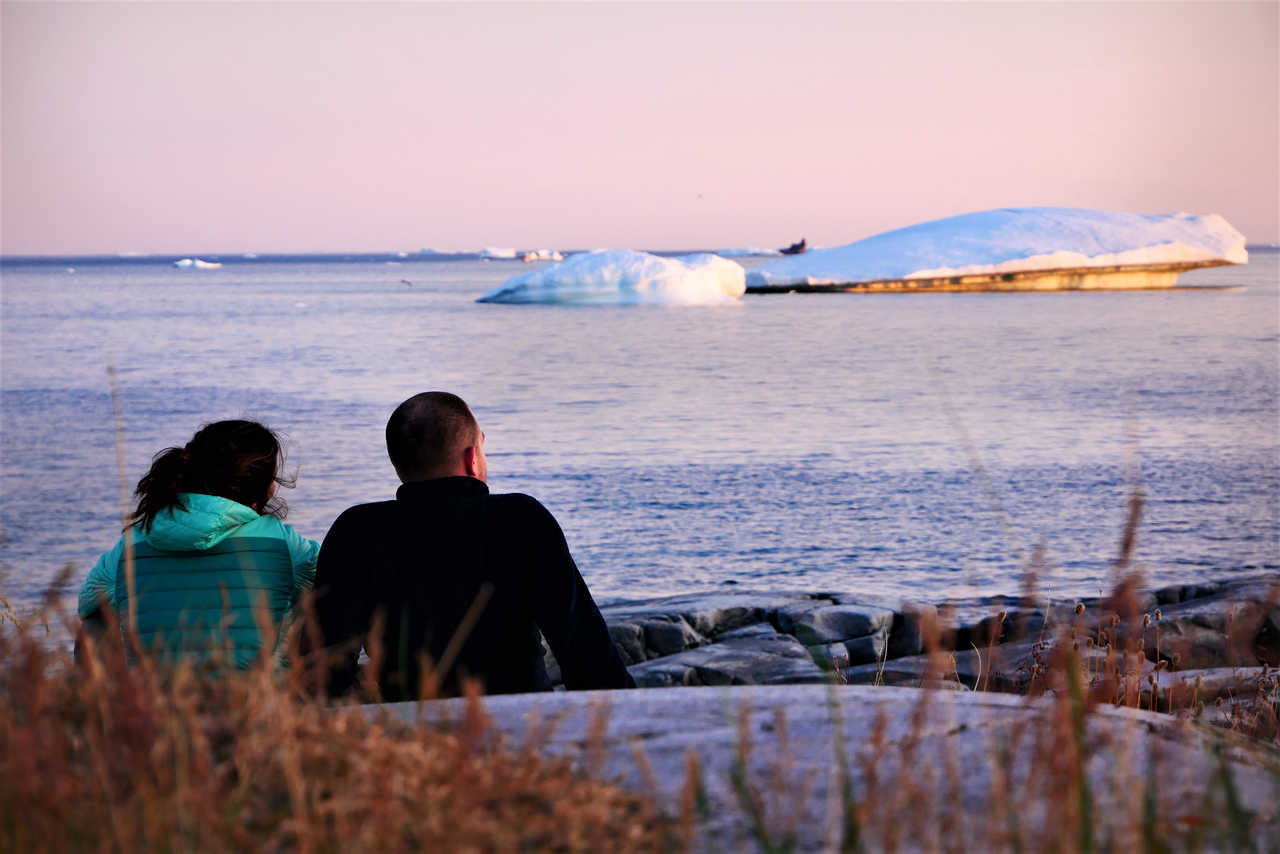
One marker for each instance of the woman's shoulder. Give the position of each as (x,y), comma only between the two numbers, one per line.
(267,525)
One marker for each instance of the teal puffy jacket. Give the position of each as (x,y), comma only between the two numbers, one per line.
(203,578)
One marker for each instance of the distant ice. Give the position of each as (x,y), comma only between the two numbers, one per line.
(626,277)
(1013,239)
(498,253)
(542,255)
(747,252)
(196,263)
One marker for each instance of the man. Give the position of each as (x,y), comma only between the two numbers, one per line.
(448,582)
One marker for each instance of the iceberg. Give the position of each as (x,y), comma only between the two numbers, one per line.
(498,253)
(196,263)
(747,252)
(1040,248)
(626,277)
(542,255)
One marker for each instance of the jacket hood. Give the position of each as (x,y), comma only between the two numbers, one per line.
(206,521)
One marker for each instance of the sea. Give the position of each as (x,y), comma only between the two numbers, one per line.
(920,446)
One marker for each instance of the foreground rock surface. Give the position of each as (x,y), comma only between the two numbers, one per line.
(798,734)
(774,638)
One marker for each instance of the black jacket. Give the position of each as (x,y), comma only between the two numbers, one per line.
(417,564)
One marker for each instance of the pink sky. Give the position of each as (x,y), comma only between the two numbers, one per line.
(299,127)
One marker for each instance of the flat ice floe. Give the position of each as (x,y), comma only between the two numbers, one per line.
(747,252)
(626,277)
(1014,240)
(498,253)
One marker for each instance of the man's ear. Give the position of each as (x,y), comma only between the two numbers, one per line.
(469,461)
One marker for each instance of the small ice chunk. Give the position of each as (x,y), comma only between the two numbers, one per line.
(747,252)
(626,277)
(542,255)
(197,263)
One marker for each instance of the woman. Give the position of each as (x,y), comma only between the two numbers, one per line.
(205,556)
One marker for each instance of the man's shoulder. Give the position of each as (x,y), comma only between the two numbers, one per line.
(360,515)
(516,502)
(519,506)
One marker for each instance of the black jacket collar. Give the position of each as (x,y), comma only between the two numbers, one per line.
(441,488)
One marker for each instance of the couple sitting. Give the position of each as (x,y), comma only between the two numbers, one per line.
(446,582)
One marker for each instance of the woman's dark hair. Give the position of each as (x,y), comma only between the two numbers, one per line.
(239,460)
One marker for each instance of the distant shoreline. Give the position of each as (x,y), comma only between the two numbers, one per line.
(105,258)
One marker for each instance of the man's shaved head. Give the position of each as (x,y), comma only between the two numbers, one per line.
(428,433)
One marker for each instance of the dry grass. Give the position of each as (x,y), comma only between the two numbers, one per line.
(107,756)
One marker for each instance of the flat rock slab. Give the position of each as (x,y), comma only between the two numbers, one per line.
(750,659)
(797,732)
(709,614)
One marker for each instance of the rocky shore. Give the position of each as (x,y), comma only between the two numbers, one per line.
(1222,637)
(924,769)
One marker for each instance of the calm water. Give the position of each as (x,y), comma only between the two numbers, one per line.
(804,441)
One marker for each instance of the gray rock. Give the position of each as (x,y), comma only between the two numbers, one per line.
(1218,613)
(1008,668)
(906,636)
(919,671)
(1233,624)
(709,614)
(761,660)
(1181,690)
(754,630)
(629,639)
(664,673)
(785,616)
(868,647)
(841,622)
(1267,641)
(553,666)
(830,656)
(669,636)
(1190,646)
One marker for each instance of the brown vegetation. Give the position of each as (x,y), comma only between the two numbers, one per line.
(109,756)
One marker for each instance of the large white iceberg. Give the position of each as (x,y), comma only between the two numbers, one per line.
(498,253)
(1014,240)
(626,277)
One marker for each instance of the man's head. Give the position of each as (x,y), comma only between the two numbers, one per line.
(433,435)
